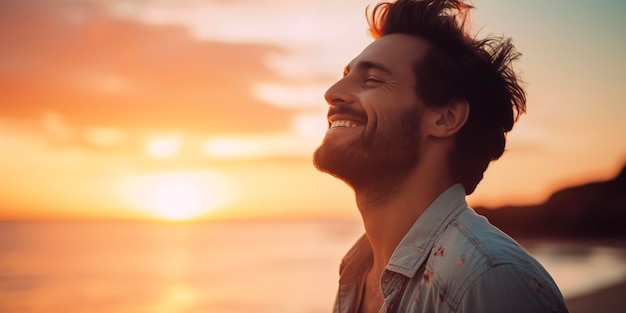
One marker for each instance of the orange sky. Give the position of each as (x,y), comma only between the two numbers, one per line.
(211,109)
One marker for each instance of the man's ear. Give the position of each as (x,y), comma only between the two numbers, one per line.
(447,120)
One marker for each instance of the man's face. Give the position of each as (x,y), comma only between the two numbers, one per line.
(374,114)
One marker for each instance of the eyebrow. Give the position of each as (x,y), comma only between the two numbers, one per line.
(367,65)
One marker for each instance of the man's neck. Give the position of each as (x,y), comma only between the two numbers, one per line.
(387,220)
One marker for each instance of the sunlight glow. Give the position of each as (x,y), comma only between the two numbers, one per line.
(233,147)
(306,96)
(312,126)
(176,199)
(274,145)
(178,196)
(104,136)
(57,127)
(163,147)
(307,131)
(179,297)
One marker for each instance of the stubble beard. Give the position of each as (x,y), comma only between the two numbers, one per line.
(378,161)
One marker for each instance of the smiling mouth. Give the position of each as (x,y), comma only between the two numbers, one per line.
(345,117)
(344,123)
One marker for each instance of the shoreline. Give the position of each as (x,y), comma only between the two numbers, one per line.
(609,299)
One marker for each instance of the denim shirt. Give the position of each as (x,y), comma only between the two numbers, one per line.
(451,260)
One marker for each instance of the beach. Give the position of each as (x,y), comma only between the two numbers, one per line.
(585,260)
(611,299)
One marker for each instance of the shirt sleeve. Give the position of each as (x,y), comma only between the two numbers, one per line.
(512,288)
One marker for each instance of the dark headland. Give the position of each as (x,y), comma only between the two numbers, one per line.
(593,210)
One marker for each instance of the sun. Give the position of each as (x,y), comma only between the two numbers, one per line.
(176,199)
(178,196)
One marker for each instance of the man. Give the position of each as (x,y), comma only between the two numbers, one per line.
(413,124)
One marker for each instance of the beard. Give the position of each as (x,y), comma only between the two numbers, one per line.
(380,160)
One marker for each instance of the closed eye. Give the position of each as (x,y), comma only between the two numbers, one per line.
(372,81)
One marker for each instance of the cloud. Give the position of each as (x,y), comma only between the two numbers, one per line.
(322,35)
(306,96)
(78,68)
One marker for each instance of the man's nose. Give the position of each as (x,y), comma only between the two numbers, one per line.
(339,93)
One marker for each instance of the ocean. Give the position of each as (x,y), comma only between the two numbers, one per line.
(225,267)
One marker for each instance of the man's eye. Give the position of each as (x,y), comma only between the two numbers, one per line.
(372,80)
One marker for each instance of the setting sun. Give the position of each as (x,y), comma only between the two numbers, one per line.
(178,196)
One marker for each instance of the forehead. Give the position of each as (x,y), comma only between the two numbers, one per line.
(397,52)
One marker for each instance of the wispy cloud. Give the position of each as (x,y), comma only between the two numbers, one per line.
(78,67)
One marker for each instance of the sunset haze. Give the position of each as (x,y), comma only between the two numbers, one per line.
(193,110)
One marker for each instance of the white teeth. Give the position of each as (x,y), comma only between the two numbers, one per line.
(343,123)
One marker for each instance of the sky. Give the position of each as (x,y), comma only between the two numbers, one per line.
(192,109)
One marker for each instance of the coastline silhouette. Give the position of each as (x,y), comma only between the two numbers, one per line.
(595,209)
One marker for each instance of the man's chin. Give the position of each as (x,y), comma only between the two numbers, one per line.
(321,159)
(326,161)
(337,164)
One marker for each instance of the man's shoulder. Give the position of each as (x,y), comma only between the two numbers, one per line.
(471,254)
(469,246)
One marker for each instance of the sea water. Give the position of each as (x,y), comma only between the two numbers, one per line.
(224,267)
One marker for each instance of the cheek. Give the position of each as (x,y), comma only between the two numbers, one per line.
(384,106)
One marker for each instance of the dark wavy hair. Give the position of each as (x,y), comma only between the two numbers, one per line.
(458,66)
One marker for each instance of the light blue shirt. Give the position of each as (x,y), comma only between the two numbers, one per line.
(452,260)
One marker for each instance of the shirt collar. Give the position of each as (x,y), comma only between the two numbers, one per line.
(416,245)
(357,261)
